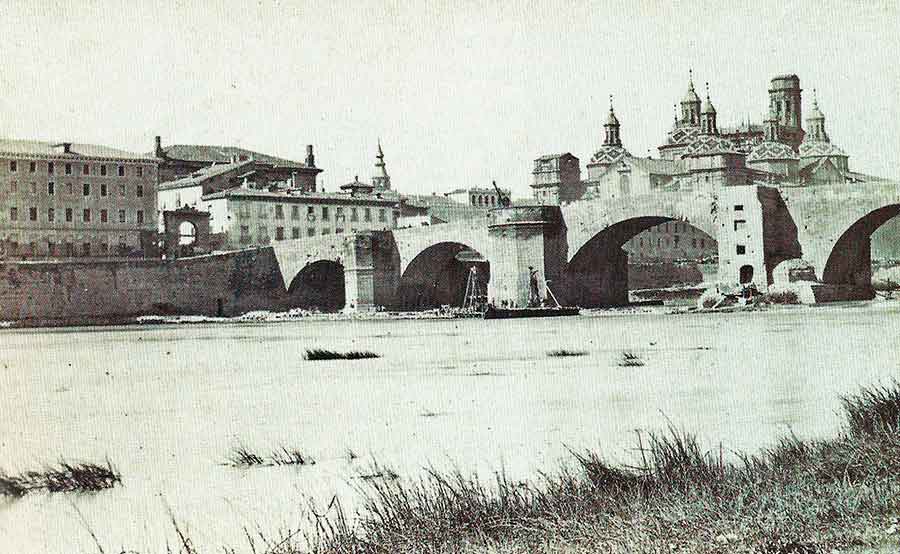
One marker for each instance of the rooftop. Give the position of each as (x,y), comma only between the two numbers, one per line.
(75,150)
(295,195)
(224,154)
(204,174)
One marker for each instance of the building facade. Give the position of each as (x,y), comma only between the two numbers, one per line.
(71,200)
(248,217)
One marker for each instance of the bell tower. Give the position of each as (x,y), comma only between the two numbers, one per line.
(708,116)
(611,127)
(381,180)
(690,105)
(785,105)
(816,123)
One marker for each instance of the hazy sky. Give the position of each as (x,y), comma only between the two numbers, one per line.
(460,93)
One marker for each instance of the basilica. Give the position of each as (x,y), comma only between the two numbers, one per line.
(698,154)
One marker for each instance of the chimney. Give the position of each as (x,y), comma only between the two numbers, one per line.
(158,150)
(310,158)
(67,147)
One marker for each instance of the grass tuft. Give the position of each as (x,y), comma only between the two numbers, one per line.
(66,477)
(563,353)
(630,359)
(241,456)
(318,354)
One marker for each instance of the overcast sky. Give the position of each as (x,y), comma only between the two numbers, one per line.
(459,93)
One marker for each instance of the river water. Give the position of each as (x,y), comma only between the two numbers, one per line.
(166,404)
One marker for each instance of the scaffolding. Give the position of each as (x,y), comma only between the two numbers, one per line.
(475,298)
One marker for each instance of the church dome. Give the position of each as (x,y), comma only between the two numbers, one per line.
(707,107)
(815,112)
(691,96)
(820,149)
(705,145)
(608,155)
(770,151)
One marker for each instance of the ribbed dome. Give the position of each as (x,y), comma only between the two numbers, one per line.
(815,112)
(691,95)
(611,118)
(771,151)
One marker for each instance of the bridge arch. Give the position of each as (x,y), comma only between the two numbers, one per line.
(849,260)
(438,276)
(318,286)
(597,272)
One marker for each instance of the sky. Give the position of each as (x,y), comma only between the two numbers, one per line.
(459,93)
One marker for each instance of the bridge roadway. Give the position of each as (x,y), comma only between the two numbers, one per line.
(578,246)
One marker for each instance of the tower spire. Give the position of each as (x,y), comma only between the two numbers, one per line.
(612,127)
(381,180)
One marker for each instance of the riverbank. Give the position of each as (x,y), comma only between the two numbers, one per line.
(799,496)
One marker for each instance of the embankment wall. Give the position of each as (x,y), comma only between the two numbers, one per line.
(221,284)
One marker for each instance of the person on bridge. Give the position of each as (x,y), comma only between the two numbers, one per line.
(534,293)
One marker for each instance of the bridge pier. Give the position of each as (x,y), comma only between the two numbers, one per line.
(525,237)
(359,274)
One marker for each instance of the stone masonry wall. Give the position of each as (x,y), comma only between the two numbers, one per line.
(229,284)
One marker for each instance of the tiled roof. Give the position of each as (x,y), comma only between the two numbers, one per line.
(682,135)
(202,175)
(705,145)
(819,149)
(609,155)
(55,149)
(223,154)
(769,150)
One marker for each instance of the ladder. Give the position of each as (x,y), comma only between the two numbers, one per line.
(472,298)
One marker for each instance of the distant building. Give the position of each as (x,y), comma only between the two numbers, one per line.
(253,217)
(181,160)
(248,206)
(476,197)
(69,200)
(557,179)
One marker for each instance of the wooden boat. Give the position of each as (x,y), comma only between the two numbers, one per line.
(509,313)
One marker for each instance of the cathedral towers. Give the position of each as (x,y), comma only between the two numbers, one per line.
(785,107)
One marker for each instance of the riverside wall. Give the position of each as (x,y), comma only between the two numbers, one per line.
(70,291)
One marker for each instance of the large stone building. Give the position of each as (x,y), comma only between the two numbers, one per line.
(251,205)
(63,200)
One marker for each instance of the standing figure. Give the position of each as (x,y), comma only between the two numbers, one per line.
(534,293)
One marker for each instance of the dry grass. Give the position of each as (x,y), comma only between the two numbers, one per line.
(66,477)
(318,354)
(242,456)
(796,497)
(563,353)
(630,359)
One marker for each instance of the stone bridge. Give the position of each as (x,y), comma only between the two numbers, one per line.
(577,248)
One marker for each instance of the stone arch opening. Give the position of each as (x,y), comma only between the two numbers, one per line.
(438,276)
(318,286)
(647,253)
(187,233)
(850,259)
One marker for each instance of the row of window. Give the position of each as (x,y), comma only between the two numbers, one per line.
(484,200)
(86,215)
(263,233)
(311,213)
(675,241)
(69,168)
(85,189)
(68,249)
